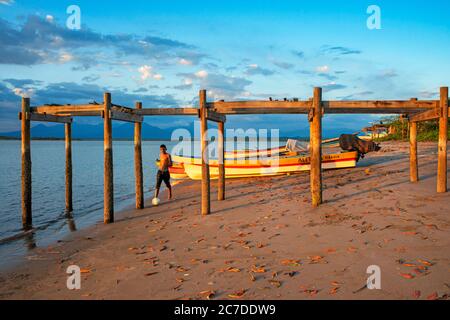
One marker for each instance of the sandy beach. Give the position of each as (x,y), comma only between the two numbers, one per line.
(265,241)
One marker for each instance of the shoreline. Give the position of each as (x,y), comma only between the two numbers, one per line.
(372,215)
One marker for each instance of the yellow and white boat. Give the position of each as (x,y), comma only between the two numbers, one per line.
(241,168)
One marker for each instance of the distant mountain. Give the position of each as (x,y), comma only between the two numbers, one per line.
(89,131)
(126,131)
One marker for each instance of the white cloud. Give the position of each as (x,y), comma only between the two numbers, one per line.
(65,57)
(24,93)
(147,73)
(323,69)
(50,18)
(201,74)
(253,66)
(185,62)
(7,2)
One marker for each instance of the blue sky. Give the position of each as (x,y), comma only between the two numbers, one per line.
(163,52)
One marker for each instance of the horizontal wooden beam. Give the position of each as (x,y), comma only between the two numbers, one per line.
(68,109)
(379,106)
(292,107)
(214,116)
(426,115)
(125,116)
(167,111)
(231,111)
(255,104)
(45,117)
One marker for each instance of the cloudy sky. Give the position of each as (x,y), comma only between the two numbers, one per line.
(163,52)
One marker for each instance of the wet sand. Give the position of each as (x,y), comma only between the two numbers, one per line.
(265,241)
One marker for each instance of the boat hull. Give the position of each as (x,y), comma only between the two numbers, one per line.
(256,168)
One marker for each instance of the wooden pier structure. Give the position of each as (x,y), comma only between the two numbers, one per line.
(414,110)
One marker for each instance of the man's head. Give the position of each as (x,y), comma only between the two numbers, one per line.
(163,148)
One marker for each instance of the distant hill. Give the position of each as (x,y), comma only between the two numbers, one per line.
(90,131)
(126,131)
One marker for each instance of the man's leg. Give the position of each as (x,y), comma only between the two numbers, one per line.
(159,179)
(167,182)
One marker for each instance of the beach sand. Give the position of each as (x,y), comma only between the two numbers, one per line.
(265,241)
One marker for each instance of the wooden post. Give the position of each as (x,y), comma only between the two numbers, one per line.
(221,158)
(138,162)
(26,165)
(316,148)
(108,210)
(413,169)
(68,139)
(442,144)
(206,197)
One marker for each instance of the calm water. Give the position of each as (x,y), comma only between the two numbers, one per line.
(48,162)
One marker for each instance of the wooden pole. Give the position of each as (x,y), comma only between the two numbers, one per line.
(138,162)
(221,158)
(108,213)
(442,144)
(26,165)
(206,197)
(413,168)
(315,148)
(68,139)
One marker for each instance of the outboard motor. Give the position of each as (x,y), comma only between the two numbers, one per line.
(350,142)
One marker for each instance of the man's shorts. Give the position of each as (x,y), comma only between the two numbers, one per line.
(162,176)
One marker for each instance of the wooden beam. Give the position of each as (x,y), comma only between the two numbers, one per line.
(442,143)
(378,106)
(138,162)
(26,166)
(424,115)
(221,159)
(316,149)
(427,115)
(108,209)
(124,116)
(258,104)
(231,111)
(48,118)
(215,116)
(68,145)
(206,196)
(167,112)
(67,109)
(413,168)
(291,107)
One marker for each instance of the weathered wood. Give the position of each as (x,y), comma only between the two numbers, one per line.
(167,111)
(413,168)
(68,144)
(424,115)
(315,148)
(127,117)
(108,213)
(206,197)
(67,109)
(442,143)
(231,111)
(221,157)
(138,162)
(27,219)
(378,106)
(48,118)
(215,116)
(286,107)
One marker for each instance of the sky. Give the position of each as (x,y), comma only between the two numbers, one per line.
(163,52)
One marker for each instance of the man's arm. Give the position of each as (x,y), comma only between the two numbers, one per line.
(170,160)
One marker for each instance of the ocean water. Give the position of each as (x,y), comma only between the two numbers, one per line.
(50,221)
